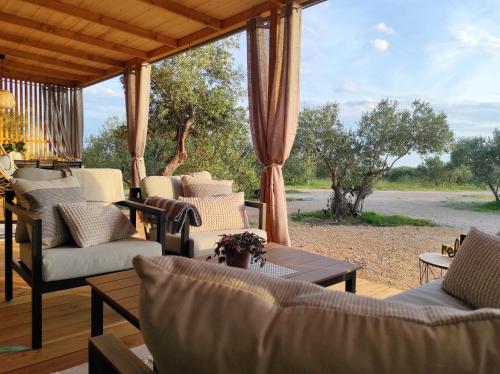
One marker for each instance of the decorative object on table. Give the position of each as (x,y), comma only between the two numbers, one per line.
(7,99)
(239,250)
(451,251)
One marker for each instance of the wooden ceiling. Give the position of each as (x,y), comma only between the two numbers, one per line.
(77,43)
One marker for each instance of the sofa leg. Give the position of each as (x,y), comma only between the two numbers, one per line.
(36,318)
(9,294)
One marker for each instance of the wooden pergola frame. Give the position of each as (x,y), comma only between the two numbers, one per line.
(44,41)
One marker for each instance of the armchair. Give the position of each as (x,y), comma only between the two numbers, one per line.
(67,266)
(186,244)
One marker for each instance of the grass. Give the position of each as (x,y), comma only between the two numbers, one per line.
(490,206)
(383,185)
(293,191)
(367,218)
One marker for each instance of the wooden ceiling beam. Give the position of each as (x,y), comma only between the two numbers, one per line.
(37,78)
(206,33)
(8,51)
(37,69)
(103,20)
(22,40)
(175,7)
(54,30)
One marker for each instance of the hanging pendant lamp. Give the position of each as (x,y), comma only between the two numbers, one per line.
(7,100)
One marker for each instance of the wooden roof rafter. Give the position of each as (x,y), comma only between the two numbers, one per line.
(37,69)
(68,34)
(101,19)
(22,75)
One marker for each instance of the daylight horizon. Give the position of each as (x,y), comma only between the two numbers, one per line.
(441,52)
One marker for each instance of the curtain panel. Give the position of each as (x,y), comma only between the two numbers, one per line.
(273,52)
(137,89)
(64,113)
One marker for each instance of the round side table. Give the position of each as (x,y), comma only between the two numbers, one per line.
(428,261)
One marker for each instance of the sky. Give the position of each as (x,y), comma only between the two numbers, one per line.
(357,52)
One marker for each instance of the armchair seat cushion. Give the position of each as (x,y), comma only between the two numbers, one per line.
(203,243)
(70,261)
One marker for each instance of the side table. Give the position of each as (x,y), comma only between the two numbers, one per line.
(428,261)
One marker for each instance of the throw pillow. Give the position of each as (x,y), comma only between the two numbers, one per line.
(199,187)
(7,164)
(201,174)
(92,224)
(284,326)
(42,197)
(474,273)
(224,212)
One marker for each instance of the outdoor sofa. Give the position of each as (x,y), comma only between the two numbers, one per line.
(251,323)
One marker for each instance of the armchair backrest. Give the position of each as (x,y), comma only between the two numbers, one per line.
(161,186)
(103,186)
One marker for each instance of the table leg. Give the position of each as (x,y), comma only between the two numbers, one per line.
(350,283)
(96,314)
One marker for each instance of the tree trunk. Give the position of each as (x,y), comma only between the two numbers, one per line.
(339,205)
(495,192)
(180,155)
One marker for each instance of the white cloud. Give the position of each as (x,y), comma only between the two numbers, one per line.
(102,90)
(380,44)
(382,27)
(474,37)
(349,87)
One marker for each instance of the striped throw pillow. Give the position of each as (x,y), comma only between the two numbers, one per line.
(223,212)
(199,187)
(475,272)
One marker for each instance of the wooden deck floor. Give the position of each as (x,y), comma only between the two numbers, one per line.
(66,325)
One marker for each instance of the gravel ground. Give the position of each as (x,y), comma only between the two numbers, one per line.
(388,255)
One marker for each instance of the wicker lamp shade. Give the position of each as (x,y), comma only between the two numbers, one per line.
(7,100)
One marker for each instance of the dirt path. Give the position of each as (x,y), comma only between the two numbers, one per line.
(418,204)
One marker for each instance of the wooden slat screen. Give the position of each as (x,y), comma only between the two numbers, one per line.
(28,121)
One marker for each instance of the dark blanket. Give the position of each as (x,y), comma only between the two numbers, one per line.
(177,212)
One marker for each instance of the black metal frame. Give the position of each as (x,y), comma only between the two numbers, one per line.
(34,277)
(135,194)
(62,165)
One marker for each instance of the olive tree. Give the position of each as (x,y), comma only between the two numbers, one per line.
(482,156)
(356,157)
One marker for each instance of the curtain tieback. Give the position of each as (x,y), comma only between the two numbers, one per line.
(138,158)
(274,164)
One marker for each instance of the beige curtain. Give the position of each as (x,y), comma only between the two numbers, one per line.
(273,92)
(64,113)
(137,87)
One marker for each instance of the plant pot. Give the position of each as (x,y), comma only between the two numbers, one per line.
(17,155)
(239,260)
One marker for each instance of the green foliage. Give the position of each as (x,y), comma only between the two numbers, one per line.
(9,147)
(355,159)
(482,156)
(369,218)
(20,146)
(491,206)
(109,149)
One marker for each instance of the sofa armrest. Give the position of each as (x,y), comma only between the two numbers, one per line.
(108,354)
(262,212)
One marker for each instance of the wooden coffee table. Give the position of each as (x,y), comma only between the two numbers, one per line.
(121,290)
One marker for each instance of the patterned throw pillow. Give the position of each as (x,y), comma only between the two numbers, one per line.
(475,272)
(224,212)
(199,187)
(42,197)
(92,224)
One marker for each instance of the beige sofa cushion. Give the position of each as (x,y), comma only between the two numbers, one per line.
(69,261)
(100,185)
(161,186)
(474,274)
(92,224)
(42,197)
(38,174)
(224,212)
(199,187)
(203,243)
(430,294)
(198,317)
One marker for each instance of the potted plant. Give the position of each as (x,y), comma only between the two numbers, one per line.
(239,250)
(20,149)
